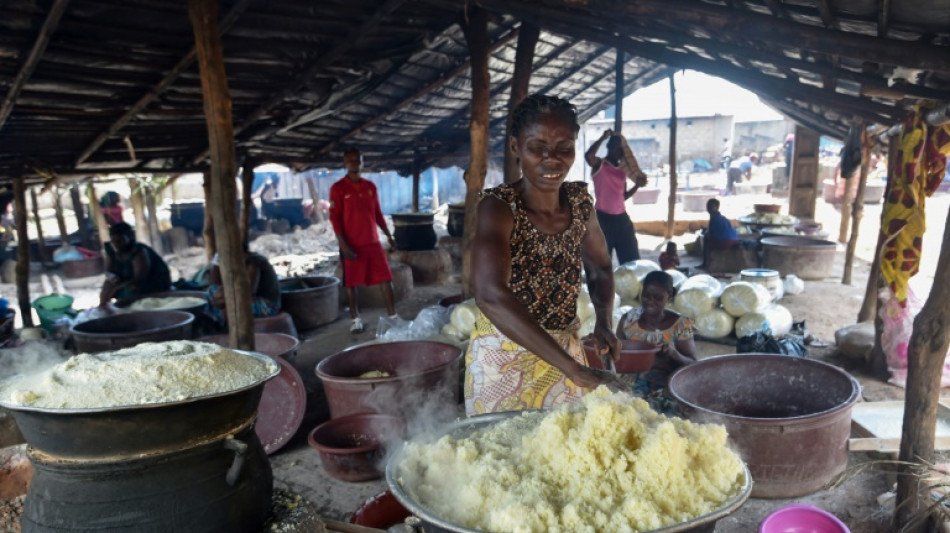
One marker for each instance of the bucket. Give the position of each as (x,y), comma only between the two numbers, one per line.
(52,307)
(802,518)
(456,222)
(419,372)
(311,301)
(768,278)
(789,417)
(414,231)
(129,329)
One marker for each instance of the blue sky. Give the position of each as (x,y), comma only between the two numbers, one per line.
(697,94)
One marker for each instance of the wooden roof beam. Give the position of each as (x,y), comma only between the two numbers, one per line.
(775,6)
(32,60)
(189,58)
(573,24)
(883,15)
(647,77)
(316,67)
(753,81)
(767,28)
(409,100)
(806,118)
(732,48)
(827,15)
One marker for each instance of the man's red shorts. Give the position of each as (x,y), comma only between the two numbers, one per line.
(371,267)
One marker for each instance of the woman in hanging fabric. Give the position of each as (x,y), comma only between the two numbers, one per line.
(610,176)
(532,239)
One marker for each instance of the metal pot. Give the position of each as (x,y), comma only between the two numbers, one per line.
(139,429)
(464,428)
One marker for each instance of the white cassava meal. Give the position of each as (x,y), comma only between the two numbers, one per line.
(153,372)
(606,464)
(161,304)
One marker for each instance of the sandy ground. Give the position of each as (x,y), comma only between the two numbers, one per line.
(825,305)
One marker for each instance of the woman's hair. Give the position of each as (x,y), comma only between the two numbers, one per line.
(671,245)
(660,279)
(122,228)
(536,105)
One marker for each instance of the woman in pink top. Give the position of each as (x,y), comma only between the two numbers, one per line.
(611,193)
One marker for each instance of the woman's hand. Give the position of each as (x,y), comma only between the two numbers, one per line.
(607,134)
(669,350)
(605,341)
(591,378)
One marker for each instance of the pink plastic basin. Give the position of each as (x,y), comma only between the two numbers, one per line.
(801,518)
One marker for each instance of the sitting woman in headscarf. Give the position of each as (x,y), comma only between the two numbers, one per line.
(132,268)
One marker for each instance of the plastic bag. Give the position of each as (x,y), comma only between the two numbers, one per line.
(895,337)
(764,342)
(793,284)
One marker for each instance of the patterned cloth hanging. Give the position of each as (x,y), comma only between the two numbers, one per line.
(921,163)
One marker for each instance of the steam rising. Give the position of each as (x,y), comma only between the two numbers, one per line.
(30,358)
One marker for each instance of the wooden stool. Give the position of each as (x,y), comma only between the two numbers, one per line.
(279,323)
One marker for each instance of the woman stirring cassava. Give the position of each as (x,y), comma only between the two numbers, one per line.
(531,239)
(673,333)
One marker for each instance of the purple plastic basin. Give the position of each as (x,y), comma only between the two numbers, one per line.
(801,518)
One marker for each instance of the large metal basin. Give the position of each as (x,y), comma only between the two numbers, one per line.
(129,431)
(127,330)
(311,301)
(464,428)
(420,372)
(789,417)
(195,310)
(805,257)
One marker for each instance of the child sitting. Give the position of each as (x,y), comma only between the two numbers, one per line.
(669,259)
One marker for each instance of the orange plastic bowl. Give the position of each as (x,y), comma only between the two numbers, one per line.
(636,356)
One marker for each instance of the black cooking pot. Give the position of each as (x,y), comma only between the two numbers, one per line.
(139,429)
(221,486)
(414,231)
(456,223)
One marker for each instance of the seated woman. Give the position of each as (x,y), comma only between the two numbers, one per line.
(265,287)
(132,268)
(673,333)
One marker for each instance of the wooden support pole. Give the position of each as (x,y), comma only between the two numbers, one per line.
(137,199)
(207,232)
(857,211)
(60,219)
(475,28)
(22,254)
(926,355)
(40,241)
(870,304)
(671,203)
(247,183)
(101,225)
(80,213)
(317,216)
(520,80)
(223,204)
(618,90)
(416,176)
(154,232)
(848,197)
(803,188)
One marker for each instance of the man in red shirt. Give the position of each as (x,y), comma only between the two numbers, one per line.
(355,215)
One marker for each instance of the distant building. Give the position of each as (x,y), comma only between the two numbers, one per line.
(699,137)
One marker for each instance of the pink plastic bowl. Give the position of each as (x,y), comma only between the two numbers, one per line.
(800,518)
